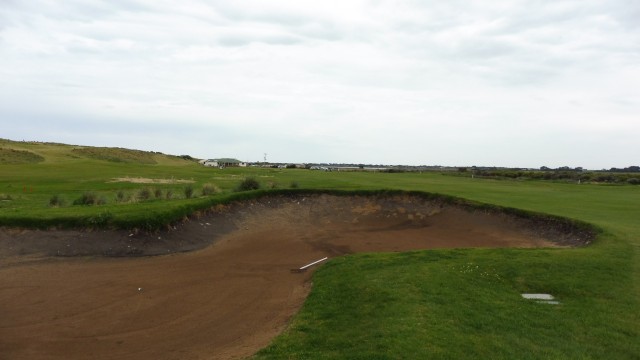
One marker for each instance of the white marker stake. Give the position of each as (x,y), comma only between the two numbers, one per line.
(313,263)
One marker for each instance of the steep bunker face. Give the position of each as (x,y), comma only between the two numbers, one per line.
(343,225)
(232,295)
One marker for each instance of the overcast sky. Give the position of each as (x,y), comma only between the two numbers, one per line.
(488,83)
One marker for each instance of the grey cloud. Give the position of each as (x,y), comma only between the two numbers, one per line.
(240,40)
(294,23)
(386,71)
(321,30)
(242,11)
(525,49)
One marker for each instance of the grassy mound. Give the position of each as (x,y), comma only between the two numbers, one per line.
(116,155)
(14,157)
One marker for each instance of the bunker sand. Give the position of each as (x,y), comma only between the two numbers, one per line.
(232,297)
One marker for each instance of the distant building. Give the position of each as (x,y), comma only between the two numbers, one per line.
(223,163)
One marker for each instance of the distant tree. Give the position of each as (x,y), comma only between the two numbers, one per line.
(627,169)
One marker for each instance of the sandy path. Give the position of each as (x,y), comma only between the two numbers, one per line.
(225,301)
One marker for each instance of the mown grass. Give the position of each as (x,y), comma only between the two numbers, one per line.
(452,304)
(443,304)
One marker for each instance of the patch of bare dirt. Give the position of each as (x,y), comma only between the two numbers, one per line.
(80,294)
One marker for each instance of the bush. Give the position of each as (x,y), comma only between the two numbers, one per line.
(188,192)
(56,200)
(633,181)
(101,219)
(158,193)
(210,189)
(121,196)
(169,194)
(88,198)
(248,184)
(294,185)
(144,194)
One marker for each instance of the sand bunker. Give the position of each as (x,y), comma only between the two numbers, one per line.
(226,300)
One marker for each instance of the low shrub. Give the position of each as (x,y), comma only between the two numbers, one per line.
(247,184)
(210,189)
(121,196)
(144,194)
(169,194)
(102,219)
(188,191)
(294,185)
(87,198)
(56,201)
(157,193)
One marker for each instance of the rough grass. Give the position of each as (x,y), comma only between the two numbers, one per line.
(11,156)
(116,155)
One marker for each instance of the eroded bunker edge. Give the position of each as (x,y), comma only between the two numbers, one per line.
(201,226)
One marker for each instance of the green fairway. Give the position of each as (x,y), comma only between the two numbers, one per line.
(451,304)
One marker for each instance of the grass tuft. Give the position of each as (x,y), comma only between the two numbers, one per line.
(56,201)
(210,189)
(248,184)
(188,191)
(144,194)
(87,198)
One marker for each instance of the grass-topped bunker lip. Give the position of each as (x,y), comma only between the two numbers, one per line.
(440,221)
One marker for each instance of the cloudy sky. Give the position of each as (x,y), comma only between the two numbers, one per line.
(505,83)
